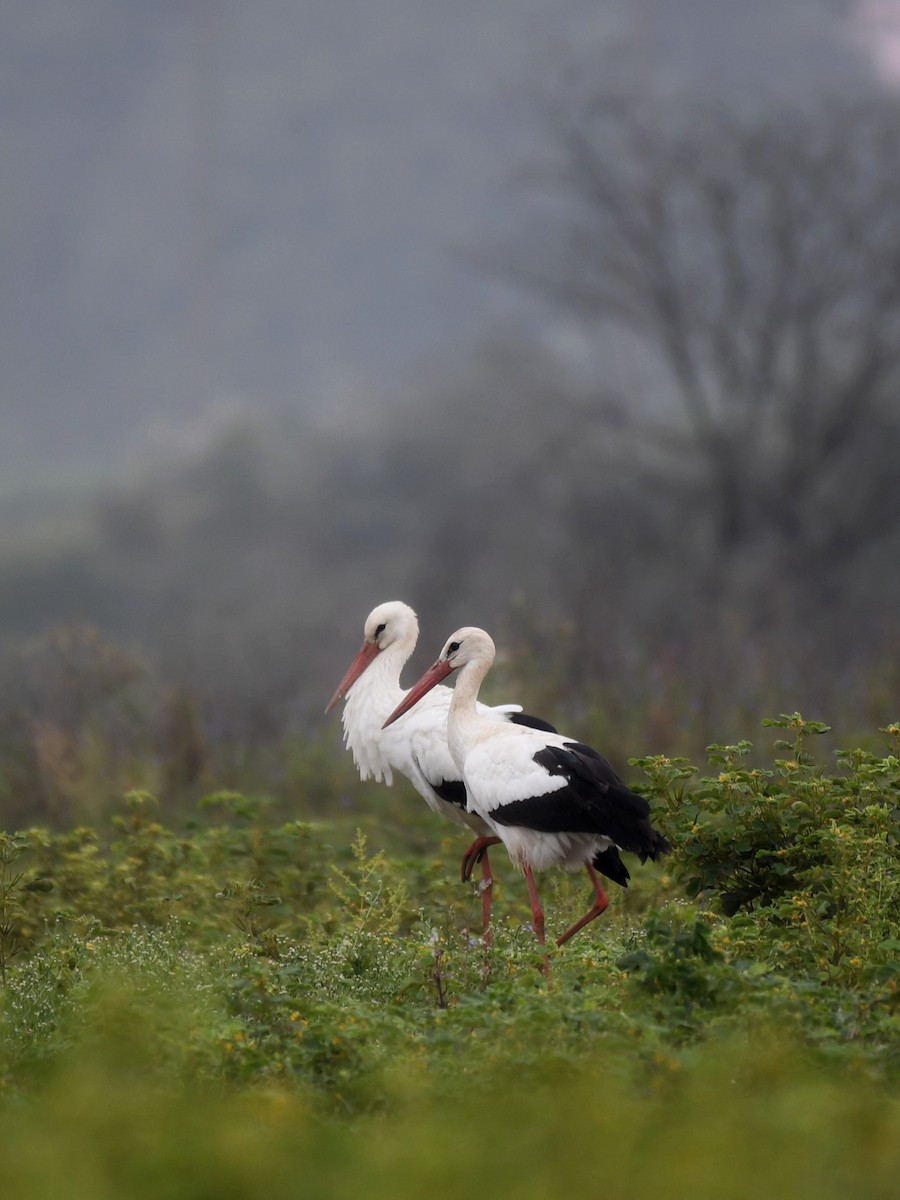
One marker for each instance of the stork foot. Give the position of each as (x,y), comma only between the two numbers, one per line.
(475,854)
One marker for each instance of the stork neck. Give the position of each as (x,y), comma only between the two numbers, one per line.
(463,710)
(378,688)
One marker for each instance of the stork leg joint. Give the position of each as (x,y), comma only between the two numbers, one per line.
(474,854)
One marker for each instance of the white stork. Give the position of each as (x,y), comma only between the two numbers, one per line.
(551,800)
(417,746)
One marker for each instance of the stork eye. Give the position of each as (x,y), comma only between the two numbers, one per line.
(453,647)
(380,630)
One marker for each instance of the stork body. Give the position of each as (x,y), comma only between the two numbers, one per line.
(551,800)
(416,746)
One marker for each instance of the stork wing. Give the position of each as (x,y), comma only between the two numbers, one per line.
(522,718)
(582,794)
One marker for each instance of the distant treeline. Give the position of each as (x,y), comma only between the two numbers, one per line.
(708,536)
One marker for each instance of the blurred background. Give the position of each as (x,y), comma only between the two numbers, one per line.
(578,321)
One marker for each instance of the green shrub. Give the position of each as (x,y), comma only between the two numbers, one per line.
(316,995)
(812,858)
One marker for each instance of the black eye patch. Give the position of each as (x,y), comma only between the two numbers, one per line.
(380,630)
(453,647)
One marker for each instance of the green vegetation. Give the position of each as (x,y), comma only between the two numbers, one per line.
(249,1007)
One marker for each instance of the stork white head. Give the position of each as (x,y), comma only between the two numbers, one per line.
(390,624)
(468,645)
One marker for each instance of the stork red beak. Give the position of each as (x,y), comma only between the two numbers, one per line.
(368,652)
(432,676)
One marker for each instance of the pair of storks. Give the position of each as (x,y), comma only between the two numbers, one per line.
(510,778)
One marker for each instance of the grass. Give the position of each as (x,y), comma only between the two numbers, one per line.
(240,1007)
(739,1120)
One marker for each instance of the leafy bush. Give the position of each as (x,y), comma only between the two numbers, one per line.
(806,863)
(167,985)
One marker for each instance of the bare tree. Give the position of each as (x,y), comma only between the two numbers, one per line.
(758,261)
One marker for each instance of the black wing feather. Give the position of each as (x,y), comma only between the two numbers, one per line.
(451,790)
(608,863)
(530,722)
(594,800)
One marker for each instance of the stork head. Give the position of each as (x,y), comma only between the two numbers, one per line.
(467,645)
(391,624)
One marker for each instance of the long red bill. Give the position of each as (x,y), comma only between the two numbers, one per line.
(368,652)
(432,676)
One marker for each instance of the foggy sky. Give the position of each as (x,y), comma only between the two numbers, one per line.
(212,205)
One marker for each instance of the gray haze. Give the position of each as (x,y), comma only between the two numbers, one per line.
(211,206)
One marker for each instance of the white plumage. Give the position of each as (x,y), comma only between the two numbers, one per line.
(416,746)
(551,800)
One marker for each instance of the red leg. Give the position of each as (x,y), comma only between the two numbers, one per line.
(474,855)
(537,916)
(537,913)
(487,884)
(599,906)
